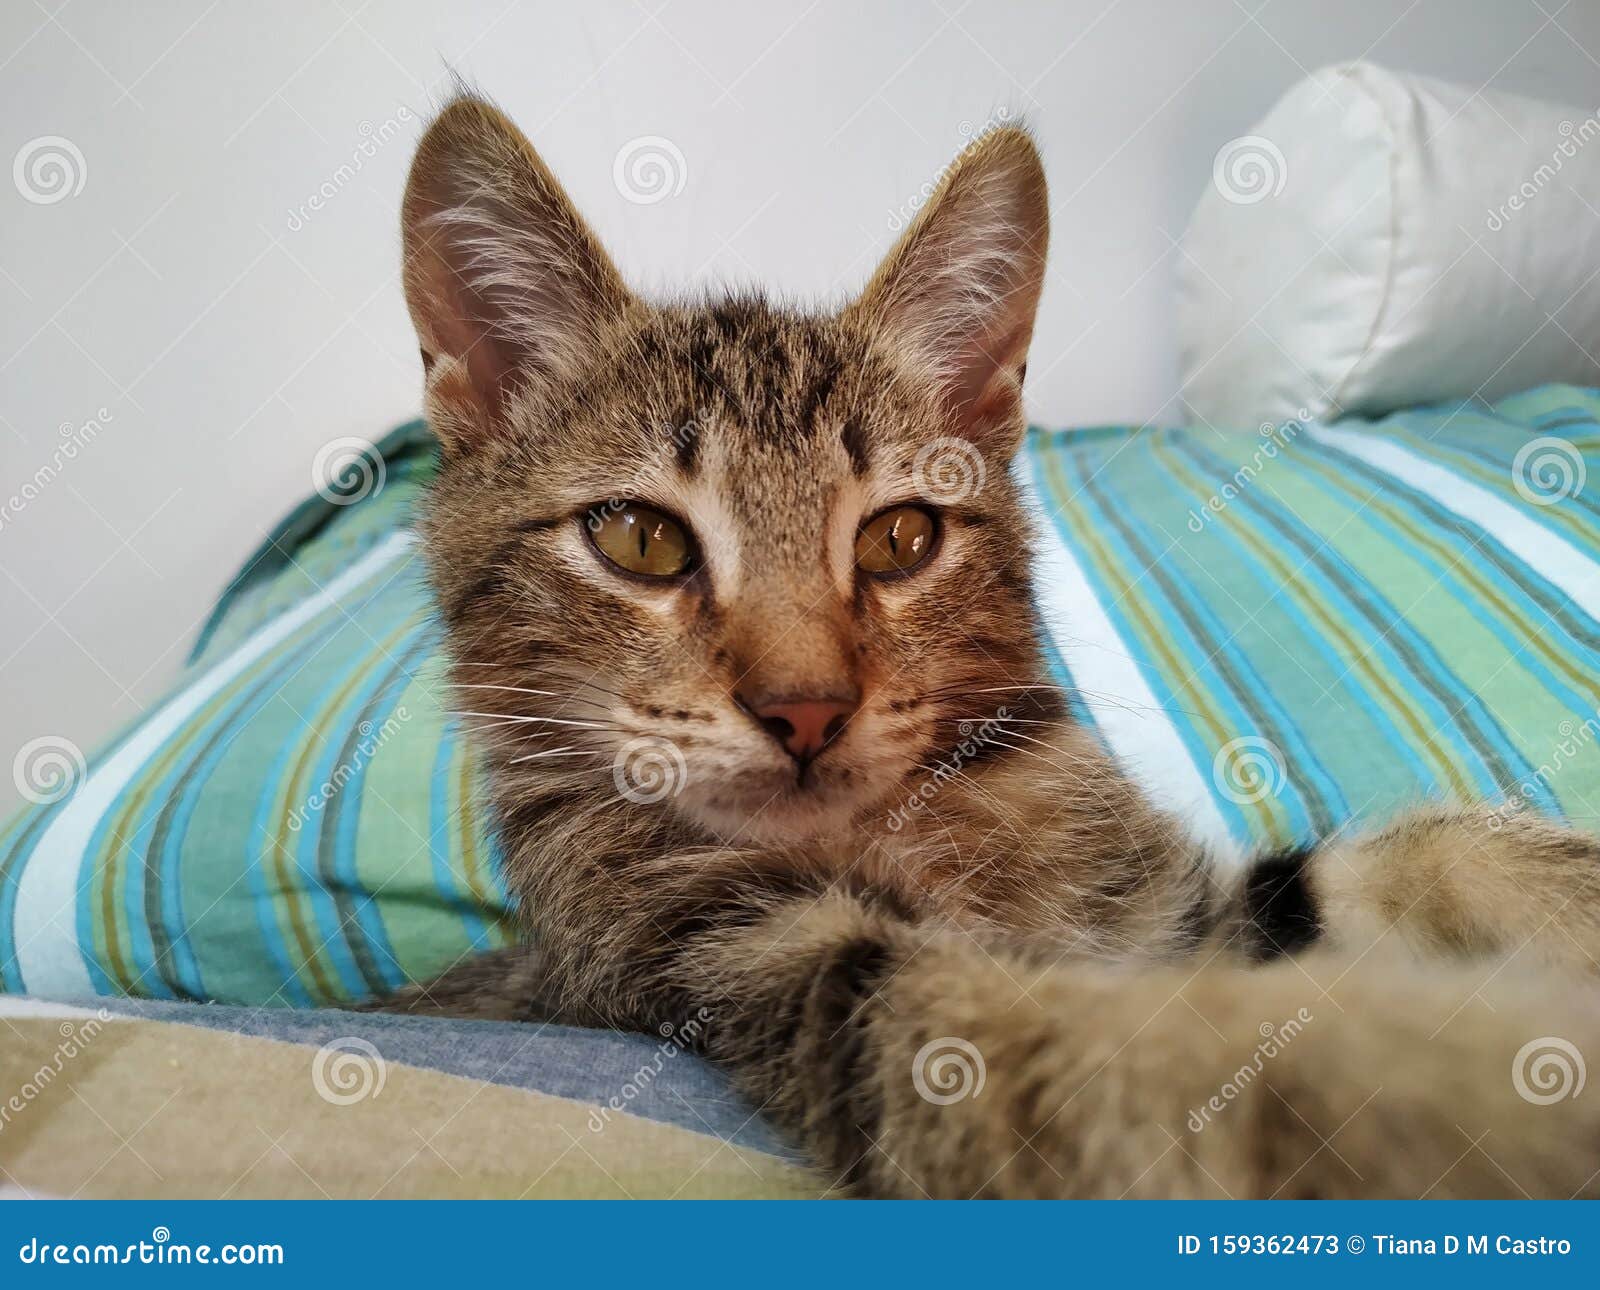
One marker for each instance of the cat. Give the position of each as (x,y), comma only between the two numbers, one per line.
(717,620)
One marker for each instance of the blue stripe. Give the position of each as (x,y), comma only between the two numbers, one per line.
(274,670)
(1199,750)
(1516,646)
(375,709)
(1315,640)
(1568,617)
(441,817)
(1390,633)
(1195,633)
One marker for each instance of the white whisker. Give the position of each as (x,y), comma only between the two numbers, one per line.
(554,721)
(556,752)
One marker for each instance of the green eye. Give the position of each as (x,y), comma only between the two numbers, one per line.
(895,540)
(641,540)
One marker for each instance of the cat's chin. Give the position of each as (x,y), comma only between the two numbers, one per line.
(791,815)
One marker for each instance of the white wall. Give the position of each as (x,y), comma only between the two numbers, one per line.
(227,341)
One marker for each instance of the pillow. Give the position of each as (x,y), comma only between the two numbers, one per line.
(1382,241)
(297,822)
(1276,633)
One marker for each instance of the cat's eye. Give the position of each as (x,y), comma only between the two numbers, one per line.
(641,540)
(896,540)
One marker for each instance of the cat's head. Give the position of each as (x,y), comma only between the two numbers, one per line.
(749,565)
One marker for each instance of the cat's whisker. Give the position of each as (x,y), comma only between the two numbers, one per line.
(565,700)
(557,752)
(588,683)
(572,697)
(1000,721)
(551,721)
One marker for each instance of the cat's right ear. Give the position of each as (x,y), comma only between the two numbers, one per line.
(505,282)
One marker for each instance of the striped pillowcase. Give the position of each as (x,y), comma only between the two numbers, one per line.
(1276,631)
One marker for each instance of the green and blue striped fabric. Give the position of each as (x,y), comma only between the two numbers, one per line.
(1277,631)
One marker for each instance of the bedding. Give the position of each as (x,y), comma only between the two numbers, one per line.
(1381,240)
(1277,632)
(143,1098)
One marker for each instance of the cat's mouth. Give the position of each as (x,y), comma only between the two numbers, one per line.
(779,803)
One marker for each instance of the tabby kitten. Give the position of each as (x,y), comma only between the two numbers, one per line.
(718,614)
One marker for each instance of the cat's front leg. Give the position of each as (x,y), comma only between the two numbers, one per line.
(913,1063)
(1463,882)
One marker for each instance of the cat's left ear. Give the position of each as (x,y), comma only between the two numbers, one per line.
(959,291)
(505,281)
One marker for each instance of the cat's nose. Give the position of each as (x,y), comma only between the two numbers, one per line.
(803,726)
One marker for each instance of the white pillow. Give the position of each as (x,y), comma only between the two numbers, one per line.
(1380,241)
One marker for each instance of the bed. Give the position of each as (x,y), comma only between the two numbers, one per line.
(1278,631)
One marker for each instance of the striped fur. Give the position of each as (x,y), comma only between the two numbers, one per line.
(1028,906)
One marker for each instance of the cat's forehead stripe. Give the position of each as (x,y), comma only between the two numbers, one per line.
(755,372)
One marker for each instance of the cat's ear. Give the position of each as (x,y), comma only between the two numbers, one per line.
(505,282)
(959,291)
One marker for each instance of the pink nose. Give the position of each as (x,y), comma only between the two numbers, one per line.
(803,726)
